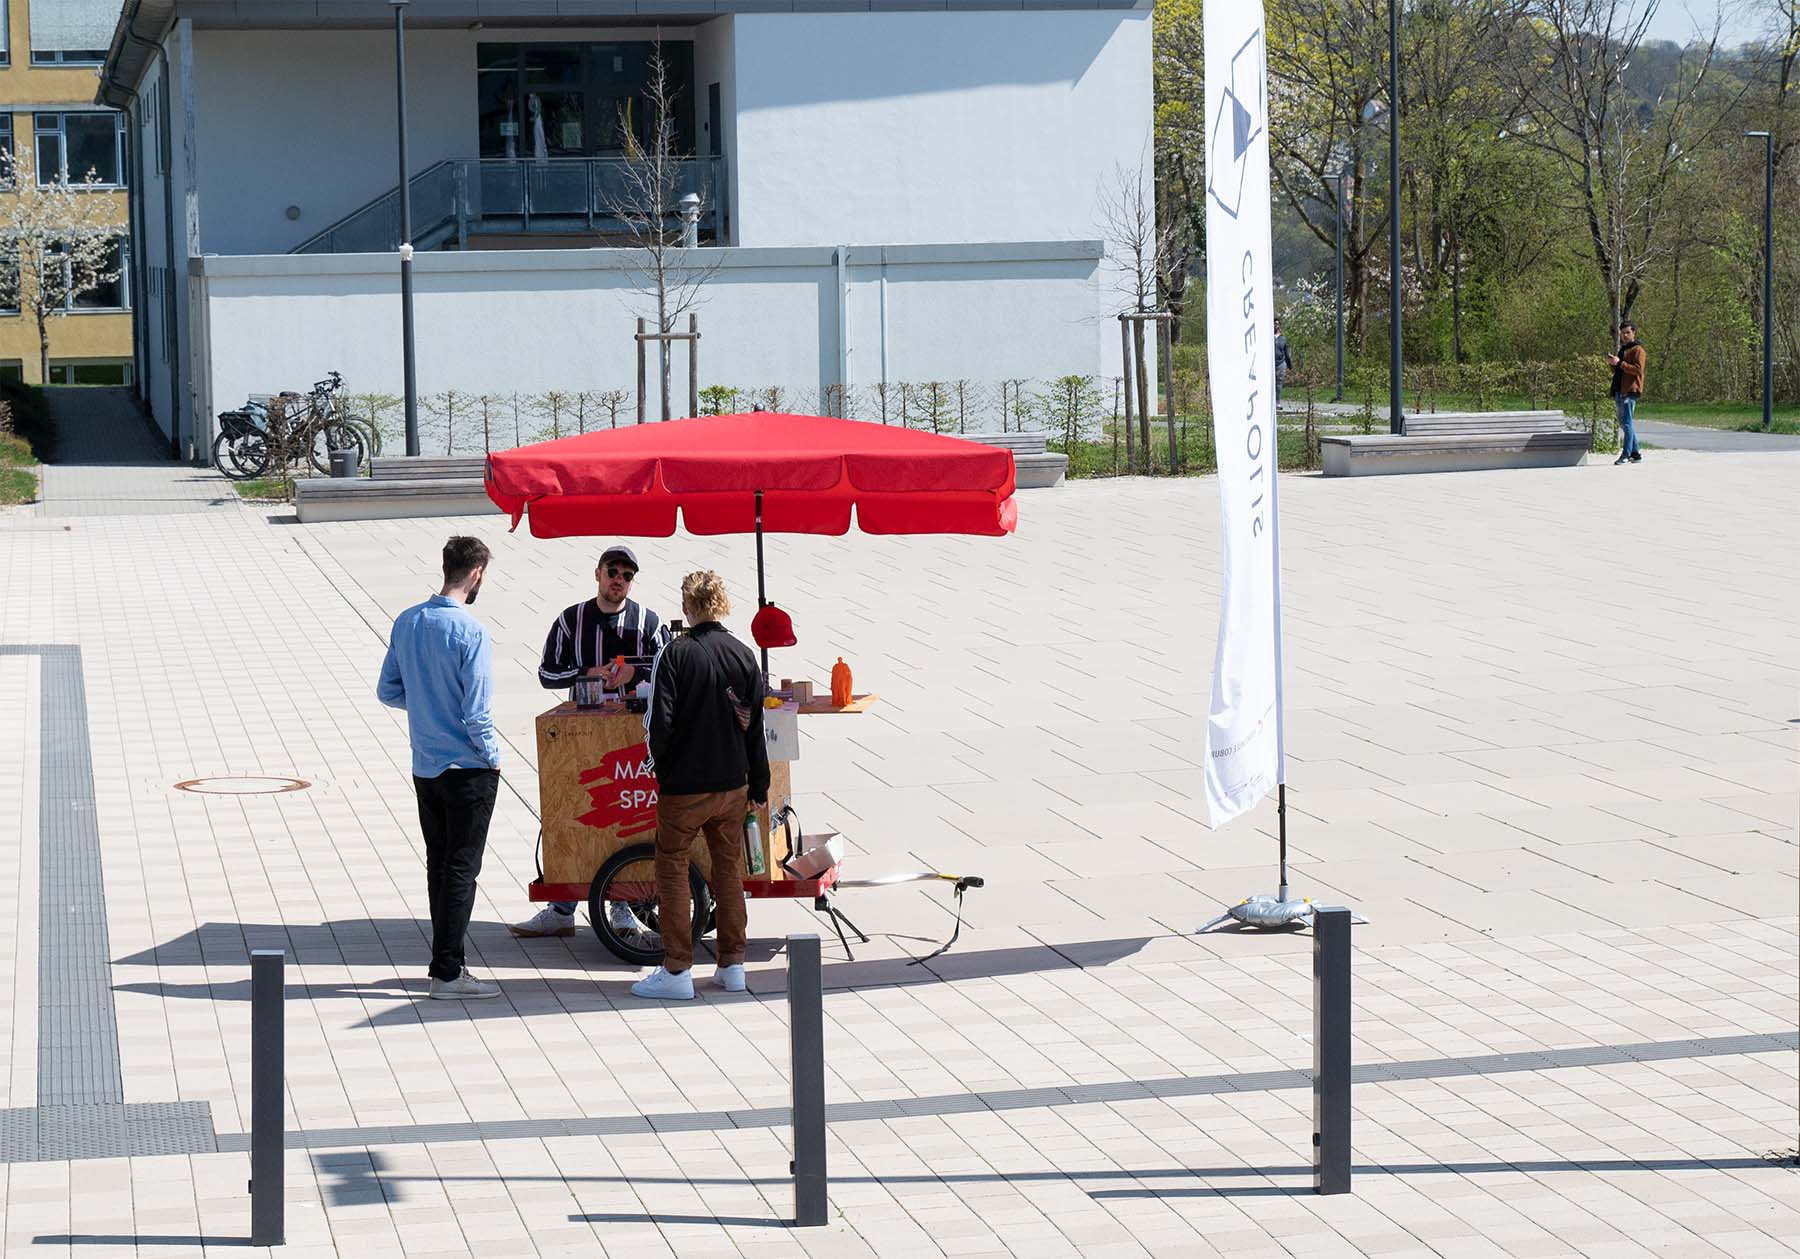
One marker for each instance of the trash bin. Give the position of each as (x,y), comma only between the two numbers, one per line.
(343,462)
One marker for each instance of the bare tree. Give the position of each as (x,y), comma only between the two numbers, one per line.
(1141,248)
(654,177)
(59,241)
(1621,156)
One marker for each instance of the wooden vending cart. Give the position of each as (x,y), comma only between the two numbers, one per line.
(597,801)
(723,474)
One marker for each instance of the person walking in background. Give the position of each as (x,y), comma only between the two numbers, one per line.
(1284,361)
(1627,387)
(439,668)
(705,731)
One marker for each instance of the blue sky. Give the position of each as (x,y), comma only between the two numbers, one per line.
(1675,19)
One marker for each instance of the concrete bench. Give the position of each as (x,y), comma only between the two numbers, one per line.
(398,488)
(428,468)
(1035,467)
(319,499)
(1461,442)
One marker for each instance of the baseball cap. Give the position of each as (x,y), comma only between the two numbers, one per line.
(771,627)
(619,551)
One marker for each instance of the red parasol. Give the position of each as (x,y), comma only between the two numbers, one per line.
(748,473)
(804,472)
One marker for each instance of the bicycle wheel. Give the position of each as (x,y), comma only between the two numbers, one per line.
(251,455)
(334,435)
(622,905)
(242,458)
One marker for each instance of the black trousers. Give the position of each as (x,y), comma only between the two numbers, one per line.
(454,811)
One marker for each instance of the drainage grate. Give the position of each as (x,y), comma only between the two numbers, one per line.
(54,1134)
(242,785)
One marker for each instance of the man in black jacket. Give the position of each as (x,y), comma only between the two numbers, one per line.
(705,731)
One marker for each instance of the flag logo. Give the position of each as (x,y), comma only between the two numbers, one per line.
(1239,123)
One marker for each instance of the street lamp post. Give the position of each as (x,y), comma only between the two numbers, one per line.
(1768,302)
(409,365)
(1396,418)
(1339,178)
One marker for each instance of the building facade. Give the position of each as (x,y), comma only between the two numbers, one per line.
(887,193)
(50,123)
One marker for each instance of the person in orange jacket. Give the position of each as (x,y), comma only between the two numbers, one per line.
(1627,388)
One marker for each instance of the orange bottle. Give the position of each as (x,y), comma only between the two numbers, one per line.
(840,684)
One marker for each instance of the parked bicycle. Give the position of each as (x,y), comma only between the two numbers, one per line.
(260,438)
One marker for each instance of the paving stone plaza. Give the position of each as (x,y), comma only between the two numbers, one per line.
(1542,732)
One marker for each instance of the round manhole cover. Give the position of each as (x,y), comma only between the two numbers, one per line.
(242,785)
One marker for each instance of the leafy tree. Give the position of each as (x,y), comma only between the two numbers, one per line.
(59,241)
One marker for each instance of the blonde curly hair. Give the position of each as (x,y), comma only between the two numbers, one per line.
(703,597)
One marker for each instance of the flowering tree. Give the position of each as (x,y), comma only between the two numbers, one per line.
(58,242)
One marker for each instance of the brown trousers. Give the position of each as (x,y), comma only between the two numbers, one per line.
(720,814)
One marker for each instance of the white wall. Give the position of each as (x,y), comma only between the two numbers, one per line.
(932,126)
(715,61)
(306,118)
(533,321)
(149,312)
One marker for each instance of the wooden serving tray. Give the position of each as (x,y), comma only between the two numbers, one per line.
(821,706)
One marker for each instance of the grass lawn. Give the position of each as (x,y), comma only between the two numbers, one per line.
(18,478)
(1743,416)
(265,489)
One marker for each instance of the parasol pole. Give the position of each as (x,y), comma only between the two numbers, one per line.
(761,597)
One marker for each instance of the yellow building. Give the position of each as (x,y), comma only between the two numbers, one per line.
(49,65)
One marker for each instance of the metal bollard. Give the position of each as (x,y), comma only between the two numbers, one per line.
(806,1041)
(268,1088)
(1331,1050)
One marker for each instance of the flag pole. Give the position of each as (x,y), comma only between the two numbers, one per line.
(1248,685)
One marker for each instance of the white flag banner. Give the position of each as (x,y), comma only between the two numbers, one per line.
(1244,725)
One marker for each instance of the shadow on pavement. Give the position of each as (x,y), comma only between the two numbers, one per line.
(390,941)
(134,1239)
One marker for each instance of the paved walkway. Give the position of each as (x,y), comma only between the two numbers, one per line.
(1562,786)
(1714,440)
(108,461)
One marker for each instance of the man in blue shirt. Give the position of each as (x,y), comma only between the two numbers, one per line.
(439,668)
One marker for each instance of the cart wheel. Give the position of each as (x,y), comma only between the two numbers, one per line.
(622,905)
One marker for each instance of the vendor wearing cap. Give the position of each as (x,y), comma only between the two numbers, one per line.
(584,642)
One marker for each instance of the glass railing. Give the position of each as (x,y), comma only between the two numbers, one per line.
(602,195)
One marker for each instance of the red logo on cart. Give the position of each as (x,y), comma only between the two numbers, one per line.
(622,791)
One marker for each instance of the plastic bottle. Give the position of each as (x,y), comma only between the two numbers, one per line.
(753,853)
(840,684)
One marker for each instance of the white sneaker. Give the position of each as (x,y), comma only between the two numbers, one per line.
(660,985)
(730,978)
(620,918)
(548,921)
(465,987)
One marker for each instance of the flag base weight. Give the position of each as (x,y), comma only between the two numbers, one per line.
(1270,913)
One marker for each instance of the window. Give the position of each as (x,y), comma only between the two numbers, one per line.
(109,371)
(6,144)
(70,146)
(110,294)
(68,56)
(12,370)
(113,294)
(71,32)
(9,278)
(537,101)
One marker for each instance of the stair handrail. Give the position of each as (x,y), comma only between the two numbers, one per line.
(392,194)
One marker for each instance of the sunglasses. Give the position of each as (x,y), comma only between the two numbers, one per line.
(613,570)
